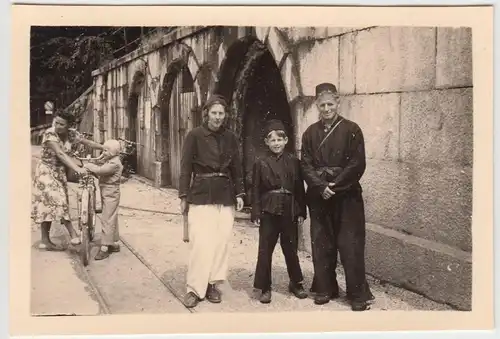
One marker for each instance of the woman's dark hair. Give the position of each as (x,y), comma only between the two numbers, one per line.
(70,118)
(213,100)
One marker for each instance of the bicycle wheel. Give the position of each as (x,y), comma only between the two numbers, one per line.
(92,214)
(85,236)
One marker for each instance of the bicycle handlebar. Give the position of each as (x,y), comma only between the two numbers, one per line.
(128,141)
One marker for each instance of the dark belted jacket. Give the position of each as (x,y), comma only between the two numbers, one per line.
(340,159)
(211,169)
(278,187)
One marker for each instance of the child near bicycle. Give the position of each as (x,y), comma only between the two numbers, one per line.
(109,172)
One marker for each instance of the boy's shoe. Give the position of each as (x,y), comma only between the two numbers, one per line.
(191,300)
(265,297)
(359,306)
(297,290)
(213,294)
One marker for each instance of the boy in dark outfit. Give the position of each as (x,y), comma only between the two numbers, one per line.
(278,207)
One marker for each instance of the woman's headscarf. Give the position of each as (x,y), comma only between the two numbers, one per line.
(113,146)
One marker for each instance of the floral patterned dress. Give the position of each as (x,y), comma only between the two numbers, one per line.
(50,201)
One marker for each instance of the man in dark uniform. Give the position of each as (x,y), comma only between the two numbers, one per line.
(333,161)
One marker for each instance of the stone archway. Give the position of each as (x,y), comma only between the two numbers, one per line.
(250,79)
(177,103)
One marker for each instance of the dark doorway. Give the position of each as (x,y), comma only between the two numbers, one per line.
(257,94)
(133,108)
(131,133)
(178,100)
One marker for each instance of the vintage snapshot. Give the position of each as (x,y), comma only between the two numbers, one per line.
(251,169)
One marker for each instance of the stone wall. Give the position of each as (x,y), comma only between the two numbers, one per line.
(410,90)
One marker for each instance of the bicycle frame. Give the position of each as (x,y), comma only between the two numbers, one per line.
(87,187)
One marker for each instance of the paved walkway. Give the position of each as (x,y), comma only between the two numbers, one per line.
(150,222)
(58,285)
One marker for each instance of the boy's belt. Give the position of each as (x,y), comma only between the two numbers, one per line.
(212,175)
(330,171)
(280,191)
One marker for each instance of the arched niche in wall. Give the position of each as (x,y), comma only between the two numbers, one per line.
(176,106)
(132,130)
(250,80)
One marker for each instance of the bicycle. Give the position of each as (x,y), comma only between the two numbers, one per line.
(90,204)
(127,156)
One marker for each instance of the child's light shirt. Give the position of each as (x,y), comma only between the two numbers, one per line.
(109,173)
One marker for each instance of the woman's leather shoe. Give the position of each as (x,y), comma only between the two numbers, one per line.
(213,294)
(191,300)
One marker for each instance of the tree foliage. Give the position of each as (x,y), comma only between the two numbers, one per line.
(62,60)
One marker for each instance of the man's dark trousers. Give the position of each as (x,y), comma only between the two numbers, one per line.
(271,228)
(339,224)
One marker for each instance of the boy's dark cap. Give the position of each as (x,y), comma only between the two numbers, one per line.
(274,125)
(325,87)
(215,99)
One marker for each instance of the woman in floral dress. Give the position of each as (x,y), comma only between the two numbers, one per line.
(50,185)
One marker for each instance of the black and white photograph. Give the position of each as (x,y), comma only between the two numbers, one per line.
(250,169)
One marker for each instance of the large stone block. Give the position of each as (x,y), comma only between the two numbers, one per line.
(347,65)
(306,113)
(436,127)
(454,57)
(378,117)
(436,271)
(318,62)
(276,45)
(335,31)
(290,76)
(390,59)
(297,35)
(262,32)
(427,202)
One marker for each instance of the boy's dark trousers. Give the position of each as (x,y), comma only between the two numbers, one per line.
(272,227)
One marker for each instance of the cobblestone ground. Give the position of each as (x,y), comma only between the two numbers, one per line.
(150,223)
